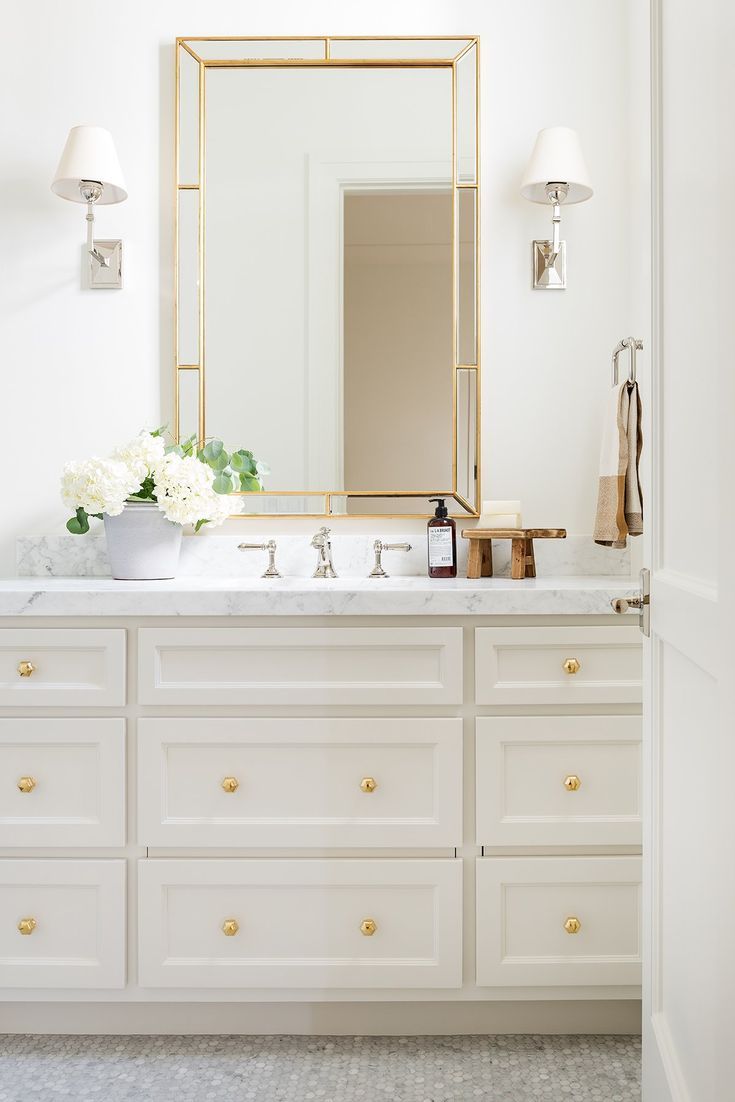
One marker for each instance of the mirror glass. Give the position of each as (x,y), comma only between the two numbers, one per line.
(338,274)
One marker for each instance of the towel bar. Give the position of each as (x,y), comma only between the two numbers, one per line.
(633,345)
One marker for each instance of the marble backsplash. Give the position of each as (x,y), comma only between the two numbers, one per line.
(218,556)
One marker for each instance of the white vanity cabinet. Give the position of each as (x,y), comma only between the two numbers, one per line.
(293,808)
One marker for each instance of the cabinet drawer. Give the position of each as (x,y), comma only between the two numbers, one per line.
(74,915)
(527,665)
(558,780)
(305,782)
(300,665)
(62,666)
(300,923)
(62,782)
(524,905)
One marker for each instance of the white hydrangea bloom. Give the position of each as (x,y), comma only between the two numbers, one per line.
(183,486)
(142,454)
(98,485)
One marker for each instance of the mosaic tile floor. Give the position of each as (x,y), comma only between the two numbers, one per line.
(338,1069)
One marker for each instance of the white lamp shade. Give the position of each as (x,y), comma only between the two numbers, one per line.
(556,159)
(89,154)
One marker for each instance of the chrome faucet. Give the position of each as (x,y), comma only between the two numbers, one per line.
(323,545)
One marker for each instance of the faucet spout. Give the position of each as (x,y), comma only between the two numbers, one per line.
(323,545)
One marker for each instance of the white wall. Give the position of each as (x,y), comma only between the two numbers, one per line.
(81,371)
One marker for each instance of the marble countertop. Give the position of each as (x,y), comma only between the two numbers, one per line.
(240,596)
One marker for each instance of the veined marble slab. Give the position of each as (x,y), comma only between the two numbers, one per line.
(196,596)
(70,556)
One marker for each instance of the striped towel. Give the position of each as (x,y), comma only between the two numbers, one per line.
(620,499)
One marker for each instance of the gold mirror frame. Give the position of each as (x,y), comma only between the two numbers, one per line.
(317,51)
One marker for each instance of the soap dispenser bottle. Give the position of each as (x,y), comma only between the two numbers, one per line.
(442,538)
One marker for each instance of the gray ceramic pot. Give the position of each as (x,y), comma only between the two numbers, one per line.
(141,544)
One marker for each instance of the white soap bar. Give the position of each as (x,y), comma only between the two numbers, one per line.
(500,520)
(490,507)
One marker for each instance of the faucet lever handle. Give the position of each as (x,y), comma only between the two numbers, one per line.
(271,570)
(379,547)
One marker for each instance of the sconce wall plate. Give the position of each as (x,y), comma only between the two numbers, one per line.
(554,276)
(99,276)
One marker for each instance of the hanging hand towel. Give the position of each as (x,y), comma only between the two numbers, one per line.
(620,499)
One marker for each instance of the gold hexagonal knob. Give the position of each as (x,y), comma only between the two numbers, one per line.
(368,784)
(230,784)
(572,782)
(27,784)
(571,665)
(25,668)
(26,926)
(572,925)
(368,926)
(230,926)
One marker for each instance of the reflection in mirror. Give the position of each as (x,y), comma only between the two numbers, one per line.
(241,49)
(188,119)
(467,441)
(328,273)
(279,504)
(347,505)
(467,117)
(397,270)
(401,47)
(188,278)
(467,276)
(188,404)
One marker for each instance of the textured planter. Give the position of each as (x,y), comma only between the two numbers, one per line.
(141,544)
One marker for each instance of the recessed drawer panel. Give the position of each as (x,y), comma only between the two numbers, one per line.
(42,667)
(594,665)
(558,780)
(305,782)
(300,665)
(300,923)
(62,782)
(558,921)
(62,923)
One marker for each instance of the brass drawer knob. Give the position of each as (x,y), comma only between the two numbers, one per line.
(572,666)
(368,784)
(230,784)
(26,668)
(572,925)
(572,782)
(26,926)
(27,784)
(368,926)
(230,926)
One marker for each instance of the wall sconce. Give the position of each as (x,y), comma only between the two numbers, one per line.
(89,172)
(556,174)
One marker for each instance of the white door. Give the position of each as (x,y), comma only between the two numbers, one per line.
(689,711)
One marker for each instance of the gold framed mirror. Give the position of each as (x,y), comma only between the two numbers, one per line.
(327,268)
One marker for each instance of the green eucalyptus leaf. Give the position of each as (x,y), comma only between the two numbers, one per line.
(212,450)
(248,481)
(242,461)
(223,484)
(78,525)
(220,462)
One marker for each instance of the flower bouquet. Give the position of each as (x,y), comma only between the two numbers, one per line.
(148,490)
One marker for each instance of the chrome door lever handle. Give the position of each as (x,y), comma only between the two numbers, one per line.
(622,604)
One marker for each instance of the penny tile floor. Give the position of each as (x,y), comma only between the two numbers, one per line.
(326,1069)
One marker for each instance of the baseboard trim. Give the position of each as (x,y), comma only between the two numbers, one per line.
(326,1019)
